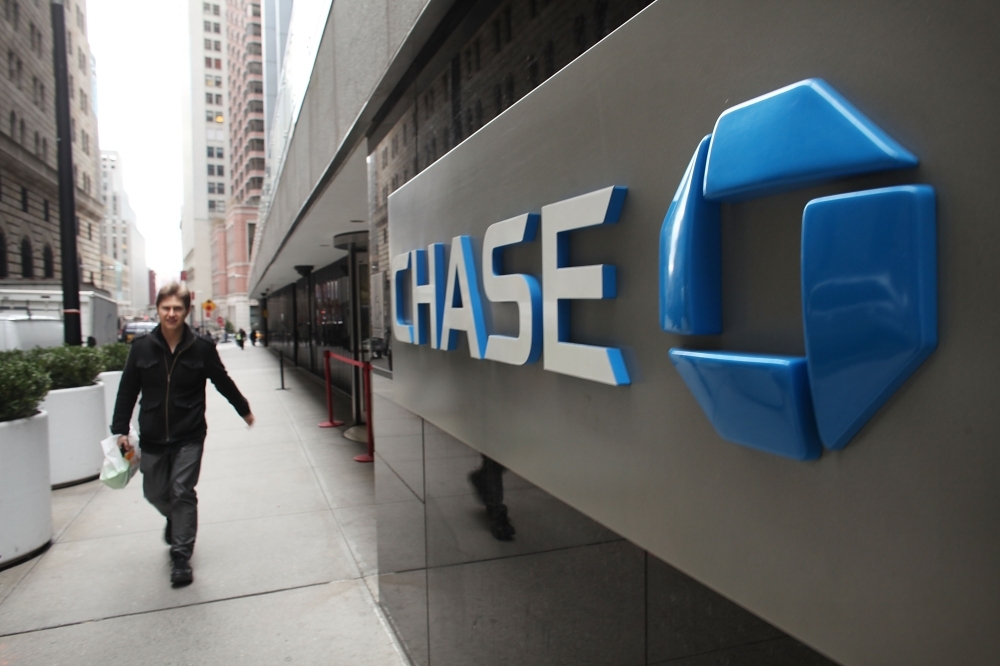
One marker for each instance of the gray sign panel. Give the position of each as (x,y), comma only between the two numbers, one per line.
(884,552)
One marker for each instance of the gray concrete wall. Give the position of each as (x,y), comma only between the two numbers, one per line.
(883,553)
(366,46)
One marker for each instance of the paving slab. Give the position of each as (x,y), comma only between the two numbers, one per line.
(69,502)
(240,461)
(258,495)
(10,578)
(118,576)
(342,490)
(114,513)
(285,562)
(334,623)
(358,526)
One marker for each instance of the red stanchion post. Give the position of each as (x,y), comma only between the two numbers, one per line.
(370,456)
(330,422)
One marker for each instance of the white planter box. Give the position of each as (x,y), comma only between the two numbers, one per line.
(25,495)
(111,381)
(76,428)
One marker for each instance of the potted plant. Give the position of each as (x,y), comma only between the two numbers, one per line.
(114,356)
(75,405)
(25,499)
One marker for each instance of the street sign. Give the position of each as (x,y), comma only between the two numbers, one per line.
(208,306)
(219,320)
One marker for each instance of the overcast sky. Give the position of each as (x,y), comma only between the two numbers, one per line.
(141,62)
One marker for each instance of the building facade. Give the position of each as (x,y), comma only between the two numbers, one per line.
(624,254)
(29,199)
(233,242)
(124,247)
(205,126)
(277,14)
(509,53)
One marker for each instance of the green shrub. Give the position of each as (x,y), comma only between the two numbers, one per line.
(230,329)
(69,367)
(115,356)
(23,384)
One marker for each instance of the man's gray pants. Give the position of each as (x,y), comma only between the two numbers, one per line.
(168,481)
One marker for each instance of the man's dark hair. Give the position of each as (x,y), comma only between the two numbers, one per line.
(174,289)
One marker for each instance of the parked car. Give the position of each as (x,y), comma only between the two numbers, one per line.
(20,330)
(136,329)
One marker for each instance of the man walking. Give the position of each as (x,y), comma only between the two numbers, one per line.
(170,366)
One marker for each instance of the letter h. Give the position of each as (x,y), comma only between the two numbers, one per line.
(428,285)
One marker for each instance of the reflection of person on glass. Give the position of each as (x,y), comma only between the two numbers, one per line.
(488,482)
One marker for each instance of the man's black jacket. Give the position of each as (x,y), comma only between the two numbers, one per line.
(172,410)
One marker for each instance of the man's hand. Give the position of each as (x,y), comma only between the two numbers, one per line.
(249,419)
(123,444)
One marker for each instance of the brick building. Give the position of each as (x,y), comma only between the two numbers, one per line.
(232,238)
(206,147)
(29,191)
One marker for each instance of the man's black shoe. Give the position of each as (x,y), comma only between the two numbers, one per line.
(500,525)
(181,574)
(168,533)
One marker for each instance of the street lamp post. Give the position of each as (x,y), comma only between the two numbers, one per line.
(67,196)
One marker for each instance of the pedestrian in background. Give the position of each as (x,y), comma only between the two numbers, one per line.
(241,338)
(169,366)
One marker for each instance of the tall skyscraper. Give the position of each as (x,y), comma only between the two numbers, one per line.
(276,21)
(277,16)
(206,145)
(29,190)
(123,248)
(233,238)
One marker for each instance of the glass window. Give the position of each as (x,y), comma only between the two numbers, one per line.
(208,26)
(27,260)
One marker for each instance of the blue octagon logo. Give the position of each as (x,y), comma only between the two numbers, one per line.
(869,272)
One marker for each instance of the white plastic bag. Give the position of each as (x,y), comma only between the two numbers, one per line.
(117,469)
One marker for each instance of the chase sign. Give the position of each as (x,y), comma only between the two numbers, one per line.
(868,271)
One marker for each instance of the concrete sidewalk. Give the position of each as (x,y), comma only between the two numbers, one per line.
(284,564)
